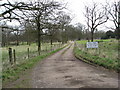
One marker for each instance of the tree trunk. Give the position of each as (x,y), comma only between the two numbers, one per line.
(27,38)
(39,34)
(51,41)
(17,43)
(118,21)
(92,36)
(3,40)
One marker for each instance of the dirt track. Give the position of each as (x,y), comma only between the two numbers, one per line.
(63,70)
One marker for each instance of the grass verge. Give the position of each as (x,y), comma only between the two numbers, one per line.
(92,59)
(13,74)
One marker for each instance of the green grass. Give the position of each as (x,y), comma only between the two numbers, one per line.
(22,54)
(12,74)
(105,62)
(82,42)
(107,48)
(106,55)
(99,40)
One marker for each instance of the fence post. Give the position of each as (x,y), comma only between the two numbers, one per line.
(10,56)
(14,54)
(28,53)
(46,48)
(75,44)
(99,50)
(53,47)
(59,45)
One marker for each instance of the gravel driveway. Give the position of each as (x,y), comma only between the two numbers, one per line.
(63,70)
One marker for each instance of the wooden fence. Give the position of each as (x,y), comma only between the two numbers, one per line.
(13,58)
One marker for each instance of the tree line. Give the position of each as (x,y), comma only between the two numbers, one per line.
(98,14)
(46,21)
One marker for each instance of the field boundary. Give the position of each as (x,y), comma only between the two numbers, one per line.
(14,73)
(77,54)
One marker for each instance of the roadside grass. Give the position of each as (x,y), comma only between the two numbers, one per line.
(12,74)
(107,48)
(105,62)
(106,55)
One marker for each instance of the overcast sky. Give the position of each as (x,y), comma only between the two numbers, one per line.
(76,8)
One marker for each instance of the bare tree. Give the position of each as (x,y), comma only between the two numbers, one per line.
(114,16)
(38,12)
(10,10)
(64,20)
(41,14)
(95,15)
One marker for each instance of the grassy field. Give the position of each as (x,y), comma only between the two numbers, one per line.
(14,73)
(106,55)
(22,52)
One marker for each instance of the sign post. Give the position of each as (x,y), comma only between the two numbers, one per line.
(92,45)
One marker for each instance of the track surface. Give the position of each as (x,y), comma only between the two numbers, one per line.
(63,70)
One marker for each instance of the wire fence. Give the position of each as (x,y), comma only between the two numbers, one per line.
(19,54)
(107,49)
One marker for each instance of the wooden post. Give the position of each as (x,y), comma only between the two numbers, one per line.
(10,56)
(59,45)
(14,55)
(99,50)
(85,47)
(46,48)
(54,46)
(96,50)
(28,53)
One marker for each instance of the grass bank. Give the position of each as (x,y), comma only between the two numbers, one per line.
(109,60)
(14,73)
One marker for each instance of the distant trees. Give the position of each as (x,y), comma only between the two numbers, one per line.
(10,34)
(80,31)
(63,21)
(40,20)
(45,20)
(42,11)
(38,13)
(109,34)
(100,34)
(30,33)
(114,16)
(96,16)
